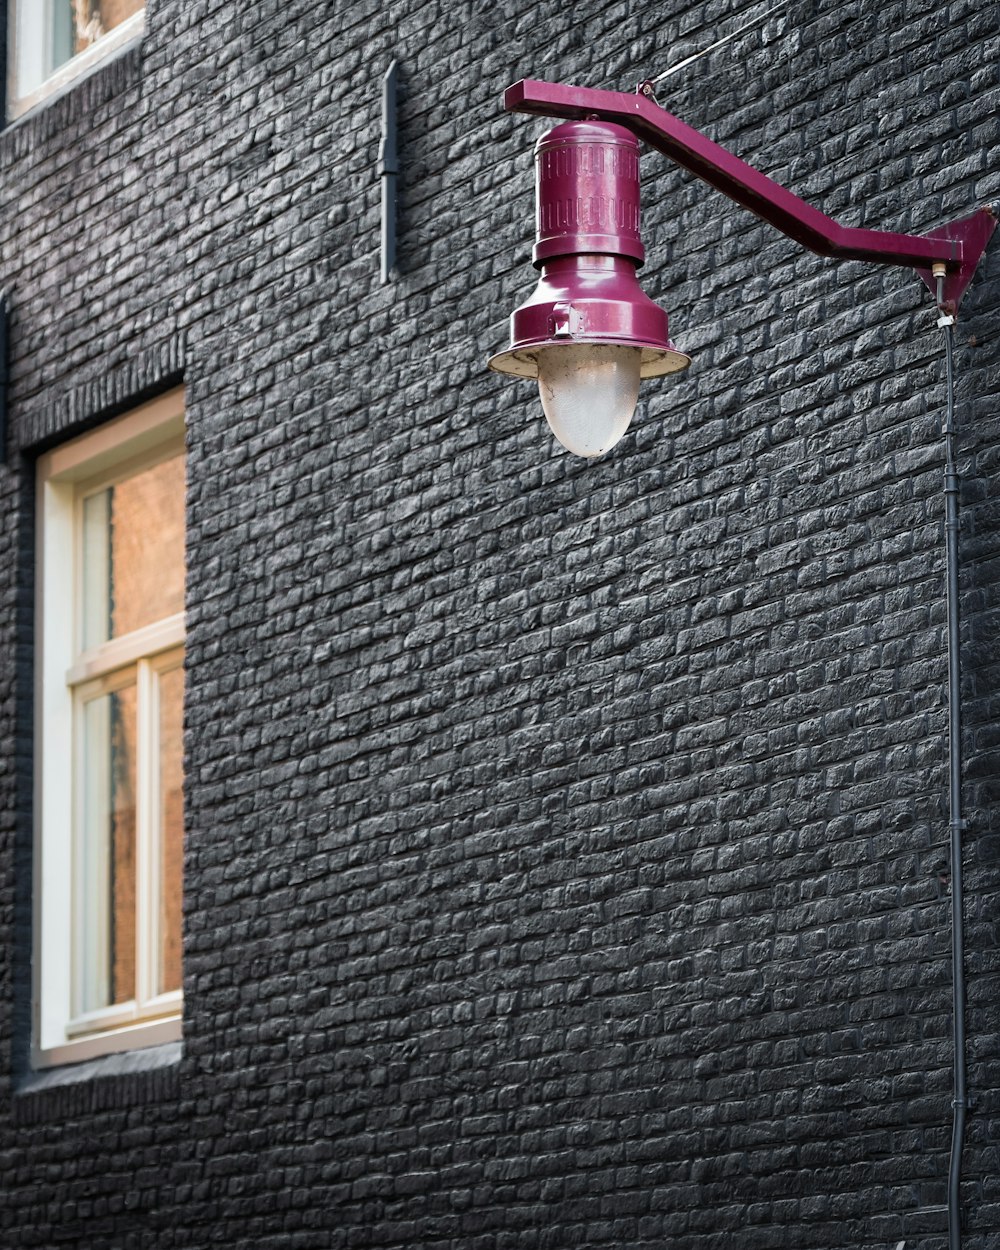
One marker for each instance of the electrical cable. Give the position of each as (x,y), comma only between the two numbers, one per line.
(755,21)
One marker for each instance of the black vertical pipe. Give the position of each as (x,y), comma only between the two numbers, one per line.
(388,168)
(3,377)
(960,1099)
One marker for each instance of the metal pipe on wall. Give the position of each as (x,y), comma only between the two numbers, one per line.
(388,169)
(960,1099)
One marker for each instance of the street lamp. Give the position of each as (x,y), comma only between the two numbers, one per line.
(588,333)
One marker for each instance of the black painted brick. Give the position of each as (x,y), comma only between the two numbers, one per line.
(565,842)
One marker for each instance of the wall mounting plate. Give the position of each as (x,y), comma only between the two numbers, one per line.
(973,233)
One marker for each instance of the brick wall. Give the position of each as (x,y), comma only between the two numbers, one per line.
(565,842)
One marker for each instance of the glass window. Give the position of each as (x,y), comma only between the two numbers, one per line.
(133,538)
(110,844)
(105,850)
(53,40)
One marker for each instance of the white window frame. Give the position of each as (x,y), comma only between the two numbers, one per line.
(64,677)
(28,36)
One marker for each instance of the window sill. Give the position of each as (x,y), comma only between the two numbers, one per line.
(136,1037)
(127,1079)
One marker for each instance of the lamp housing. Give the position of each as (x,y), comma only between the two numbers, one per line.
(588,304)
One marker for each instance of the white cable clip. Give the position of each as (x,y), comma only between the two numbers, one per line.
(946,319)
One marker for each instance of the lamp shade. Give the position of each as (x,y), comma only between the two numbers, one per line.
(588,333)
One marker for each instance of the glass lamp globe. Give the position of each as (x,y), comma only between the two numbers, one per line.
(588,392)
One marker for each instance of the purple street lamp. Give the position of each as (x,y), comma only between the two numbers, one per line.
(588,333)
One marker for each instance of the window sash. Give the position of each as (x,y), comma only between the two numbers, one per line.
(120,1015)
(120,652)
(148,1000)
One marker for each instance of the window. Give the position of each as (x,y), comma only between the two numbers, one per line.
(109,715)
(52,41)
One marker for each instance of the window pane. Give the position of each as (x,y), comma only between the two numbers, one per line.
(93,18)
(171,826)
(133,552)
(96,573)
(62,31)
(105,925)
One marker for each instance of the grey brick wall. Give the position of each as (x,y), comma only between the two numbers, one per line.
(565,841)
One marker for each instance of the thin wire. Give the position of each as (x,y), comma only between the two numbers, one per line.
(762,17)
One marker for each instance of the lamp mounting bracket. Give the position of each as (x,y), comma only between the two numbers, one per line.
(959,244)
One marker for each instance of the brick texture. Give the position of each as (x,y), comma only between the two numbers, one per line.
(566,843)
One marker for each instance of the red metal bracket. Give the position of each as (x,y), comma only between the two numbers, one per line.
(959,245)
(973,233)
